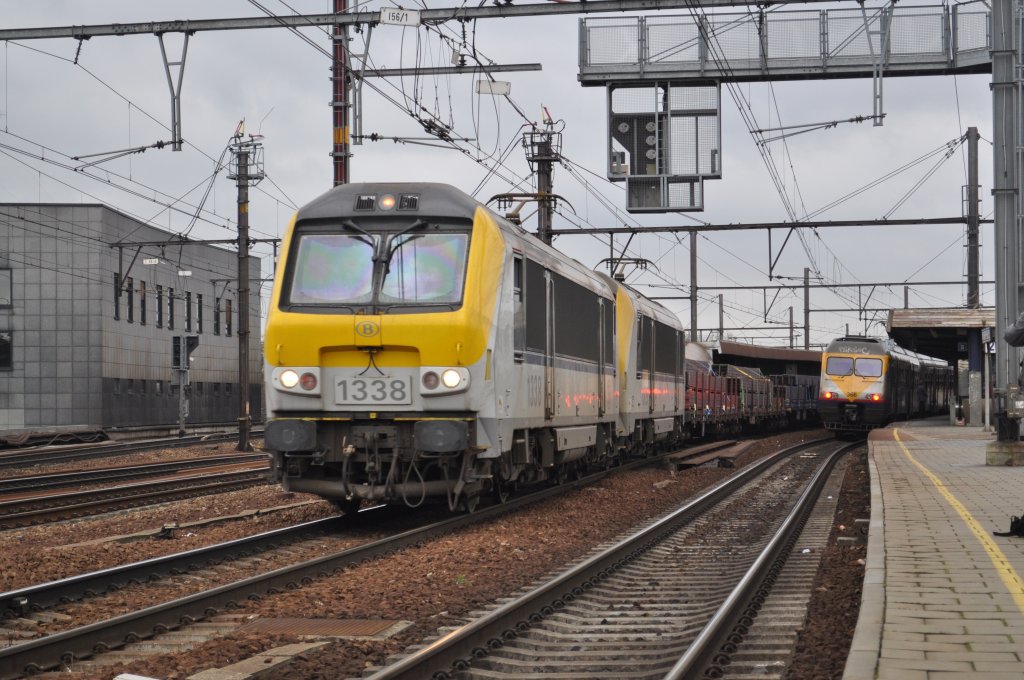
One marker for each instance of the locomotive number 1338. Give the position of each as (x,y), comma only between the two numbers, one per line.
(373,391)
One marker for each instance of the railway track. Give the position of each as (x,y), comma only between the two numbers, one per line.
(11,485)
(41,597)
(44,596)
(50,455)
(676,599)
(83,642)
(25,509)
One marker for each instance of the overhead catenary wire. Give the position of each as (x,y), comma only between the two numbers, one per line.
(504,155)
(953,145)
(941,149)
(118,94)
(412,105)
(8,151)
(491,170)
(94,243)
(711,39)
(85,274)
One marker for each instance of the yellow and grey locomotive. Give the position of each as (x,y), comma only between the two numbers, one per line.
(418,345)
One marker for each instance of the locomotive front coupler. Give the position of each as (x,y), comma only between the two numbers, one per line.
(314,457)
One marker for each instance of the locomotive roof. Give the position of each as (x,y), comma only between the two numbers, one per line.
(652,308)
(441,200)
(444,200)
(856,344)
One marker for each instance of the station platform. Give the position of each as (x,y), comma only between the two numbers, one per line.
(943,597)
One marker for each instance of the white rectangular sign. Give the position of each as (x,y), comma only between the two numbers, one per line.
(399,17)
(372,391)
(498,87)
(151,260)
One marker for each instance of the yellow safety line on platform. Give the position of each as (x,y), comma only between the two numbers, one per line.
(1006,572)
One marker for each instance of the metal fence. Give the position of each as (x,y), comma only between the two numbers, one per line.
(804,42)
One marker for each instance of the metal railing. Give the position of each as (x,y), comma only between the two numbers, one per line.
(804,43)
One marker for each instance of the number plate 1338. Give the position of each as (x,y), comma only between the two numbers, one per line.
(373,391)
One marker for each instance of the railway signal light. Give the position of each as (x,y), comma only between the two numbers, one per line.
(191,342)
(181,350)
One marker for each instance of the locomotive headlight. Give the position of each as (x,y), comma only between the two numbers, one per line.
(876,397)
(451,378)
(298,380)
(441,381)
(828,395)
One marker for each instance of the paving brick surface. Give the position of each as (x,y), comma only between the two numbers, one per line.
(935,604)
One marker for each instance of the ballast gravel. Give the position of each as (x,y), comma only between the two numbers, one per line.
(433,585)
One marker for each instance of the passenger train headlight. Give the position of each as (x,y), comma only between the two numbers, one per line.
(290,378)
(430,380)
(451,378)
(876,397)
(828,395)
(308,381)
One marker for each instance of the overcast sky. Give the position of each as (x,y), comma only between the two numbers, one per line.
(116,97)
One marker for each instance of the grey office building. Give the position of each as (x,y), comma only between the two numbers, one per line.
(86,327)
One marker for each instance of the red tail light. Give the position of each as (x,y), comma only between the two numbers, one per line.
(876,397)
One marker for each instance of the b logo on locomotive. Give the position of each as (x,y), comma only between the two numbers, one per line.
(367,329)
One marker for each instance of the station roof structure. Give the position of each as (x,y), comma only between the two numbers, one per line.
(938,332)
(771,360)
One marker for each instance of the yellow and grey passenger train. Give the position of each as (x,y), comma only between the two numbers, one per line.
(868,383)
(420,347)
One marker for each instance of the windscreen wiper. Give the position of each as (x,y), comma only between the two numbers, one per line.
(418,224)
(369,240)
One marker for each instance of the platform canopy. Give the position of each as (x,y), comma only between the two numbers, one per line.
(938,332)
(771,360)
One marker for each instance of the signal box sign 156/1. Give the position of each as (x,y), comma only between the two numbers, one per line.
(399,17)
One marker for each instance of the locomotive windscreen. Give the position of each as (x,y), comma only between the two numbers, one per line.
(333,268)
(839,365)
(868,368)
(425,268)
(354,267)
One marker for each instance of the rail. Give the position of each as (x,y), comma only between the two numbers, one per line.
(48,652)
(727,627)
(453,652)
(47,456)
(63,479)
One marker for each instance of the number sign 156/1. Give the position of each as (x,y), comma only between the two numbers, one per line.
(399,17)
(373,391)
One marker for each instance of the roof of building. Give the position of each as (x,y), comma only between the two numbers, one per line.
(775,353)
(944,317)
(938,331)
